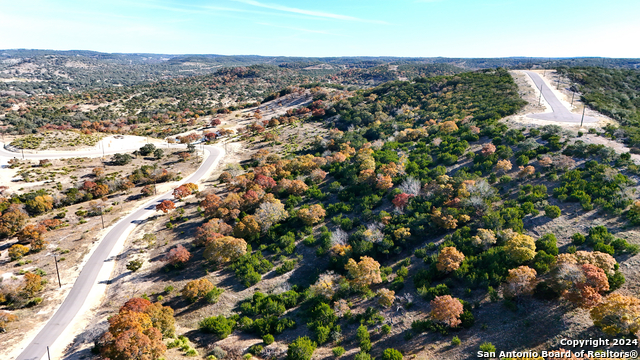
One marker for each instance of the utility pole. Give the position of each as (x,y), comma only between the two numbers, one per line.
(573,93)
(584,107)
(48,355)
(540,97)
(102,216)
(55,260)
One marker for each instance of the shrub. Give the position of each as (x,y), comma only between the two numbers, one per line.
(249,268)
(121,159)
(191,352)
(301,349)
(219,326)
(456,341)
(218,352)
(17,251)
(386,329)
(548,244)
(134,265)
(197,289)
(256,349)
(309,241)
(286,266)
(338,351)
(268,339)
(391,354)
(363,338)
(578,239)
(147,149)
(432,292)
(362,356)
(522,160)
(322,334)
(487,347)
(213,295)
(552,211)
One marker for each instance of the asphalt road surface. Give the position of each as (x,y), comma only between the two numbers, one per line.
(559,112)
(89,274)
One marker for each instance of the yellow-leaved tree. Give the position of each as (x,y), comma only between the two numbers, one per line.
(225,249)
(520,247)
(363,273)
(617,314)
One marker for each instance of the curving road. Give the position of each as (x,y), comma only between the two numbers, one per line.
(78,294)
(559,112)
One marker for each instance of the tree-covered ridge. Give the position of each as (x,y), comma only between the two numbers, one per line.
(388,72)
(425,167)
(117,109)
(485,96)
(613,92)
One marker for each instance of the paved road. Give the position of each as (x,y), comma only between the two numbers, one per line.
(89,274)
(559,112)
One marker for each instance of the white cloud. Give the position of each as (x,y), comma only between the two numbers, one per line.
(314,13)
(298,29)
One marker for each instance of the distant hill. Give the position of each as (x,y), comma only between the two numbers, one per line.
(33,71)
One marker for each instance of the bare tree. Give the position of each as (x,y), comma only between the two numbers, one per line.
(339,237)
(411,186)
(270,213)
(373,233)
(234,169)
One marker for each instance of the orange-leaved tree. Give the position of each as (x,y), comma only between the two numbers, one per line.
(165,206)
(131,336)
(247,228)
(5,318)
(520,280)
(387,297)
(34,235)
(210,230)
(447,310)
(178,256)
(312,215)
(12,220)
(197,289)
(449,259)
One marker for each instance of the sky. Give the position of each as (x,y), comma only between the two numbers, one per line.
(407,28)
